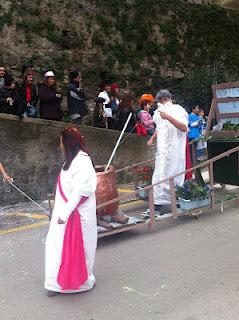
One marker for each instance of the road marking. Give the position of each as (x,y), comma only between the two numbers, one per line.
(23,228)
(126,190)
(45,222)
(133,203)
(36,216)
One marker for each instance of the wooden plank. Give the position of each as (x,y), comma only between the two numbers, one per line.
(173,198)
(121,229)
(226,100)
(210,117)
(151,210)
(226,85)
(229,115)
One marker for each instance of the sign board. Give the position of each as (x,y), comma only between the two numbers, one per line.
(225,104)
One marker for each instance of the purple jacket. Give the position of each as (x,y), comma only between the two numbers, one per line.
(50,105)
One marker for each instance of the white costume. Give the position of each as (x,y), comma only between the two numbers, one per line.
(104,95)
(171,151)
(77,182)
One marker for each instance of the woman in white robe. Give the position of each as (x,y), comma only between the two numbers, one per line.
(77,182)
(171,130)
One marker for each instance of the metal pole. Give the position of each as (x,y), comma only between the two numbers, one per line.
(118,141)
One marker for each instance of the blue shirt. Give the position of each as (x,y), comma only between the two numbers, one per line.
(194,131)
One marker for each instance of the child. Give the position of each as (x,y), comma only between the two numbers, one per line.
(194,124)
(201,145)
(145,118)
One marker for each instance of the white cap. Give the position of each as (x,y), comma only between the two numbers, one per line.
(49,74)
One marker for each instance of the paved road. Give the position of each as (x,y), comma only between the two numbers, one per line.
(186,270)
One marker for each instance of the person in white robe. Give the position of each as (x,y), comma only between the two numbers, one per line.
(77,183)
(171,131)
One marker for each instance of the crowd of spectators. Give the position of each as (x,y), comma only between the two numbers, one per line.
(26,98)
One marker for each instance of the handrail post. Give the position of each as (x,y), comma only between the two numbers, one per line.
(151,210)
(173,198)
(136,178)
(211,180)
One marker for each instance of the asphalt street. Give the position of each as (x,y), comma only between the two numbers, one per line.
(185,270)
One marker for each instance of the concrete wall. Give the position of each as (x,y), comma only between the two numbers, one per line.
(29,150)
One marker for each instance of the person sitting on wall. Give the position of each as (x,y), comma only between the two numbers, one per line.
(105,89)
(114,100)
(76,98)
(145,118)
(126,107)
(50,99)
(99,117)
(28,95)
(2,76)
(10,101)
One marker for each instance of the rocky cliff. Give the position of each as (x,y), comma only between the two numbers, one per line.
(152,43)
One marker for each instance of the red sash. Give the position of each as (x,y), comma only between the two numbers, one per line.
(73,271)
(188,175)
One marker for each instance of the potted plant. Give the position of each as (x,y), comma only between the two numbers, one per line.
(192,195)
(144,178)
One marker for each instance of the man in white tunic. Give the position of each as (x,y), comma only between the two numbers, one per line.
(171,131)
(75,195)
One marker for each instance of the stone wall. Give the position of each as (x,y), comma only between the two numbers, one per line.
(29,150)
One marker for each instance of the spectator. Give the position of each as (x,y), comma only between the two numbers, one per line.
(26,68)
(114,100)
(28,95)
(50,99)
(145,117)
(99,118)
(105,89)
(201,145)
(2,76)
(76,98)
(194,123)
(125,108)
(9,98)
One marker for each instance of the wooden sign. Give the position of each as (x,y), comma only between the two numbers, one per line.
(224,107)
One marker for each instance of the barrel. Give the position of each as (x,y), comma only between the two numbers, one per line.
(106,190)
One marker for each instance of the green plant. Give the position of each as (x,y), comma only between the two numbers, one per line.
(229,126)
(192,191)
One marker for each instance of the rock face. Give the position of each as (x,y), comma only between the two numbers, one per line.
(151,43)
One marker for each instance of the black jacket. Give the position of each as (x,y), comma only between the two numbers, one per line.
(76,99)
(5,107)
(123,116)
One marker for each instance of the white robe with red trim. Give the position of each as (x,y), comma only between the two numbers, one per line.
(171,151)
(78,181)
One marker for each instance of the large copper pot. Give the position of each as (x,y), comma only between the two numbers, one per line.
(106,190)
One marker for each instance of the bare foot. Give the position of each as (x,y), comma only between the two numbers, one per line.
(104,224)
(119,218)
